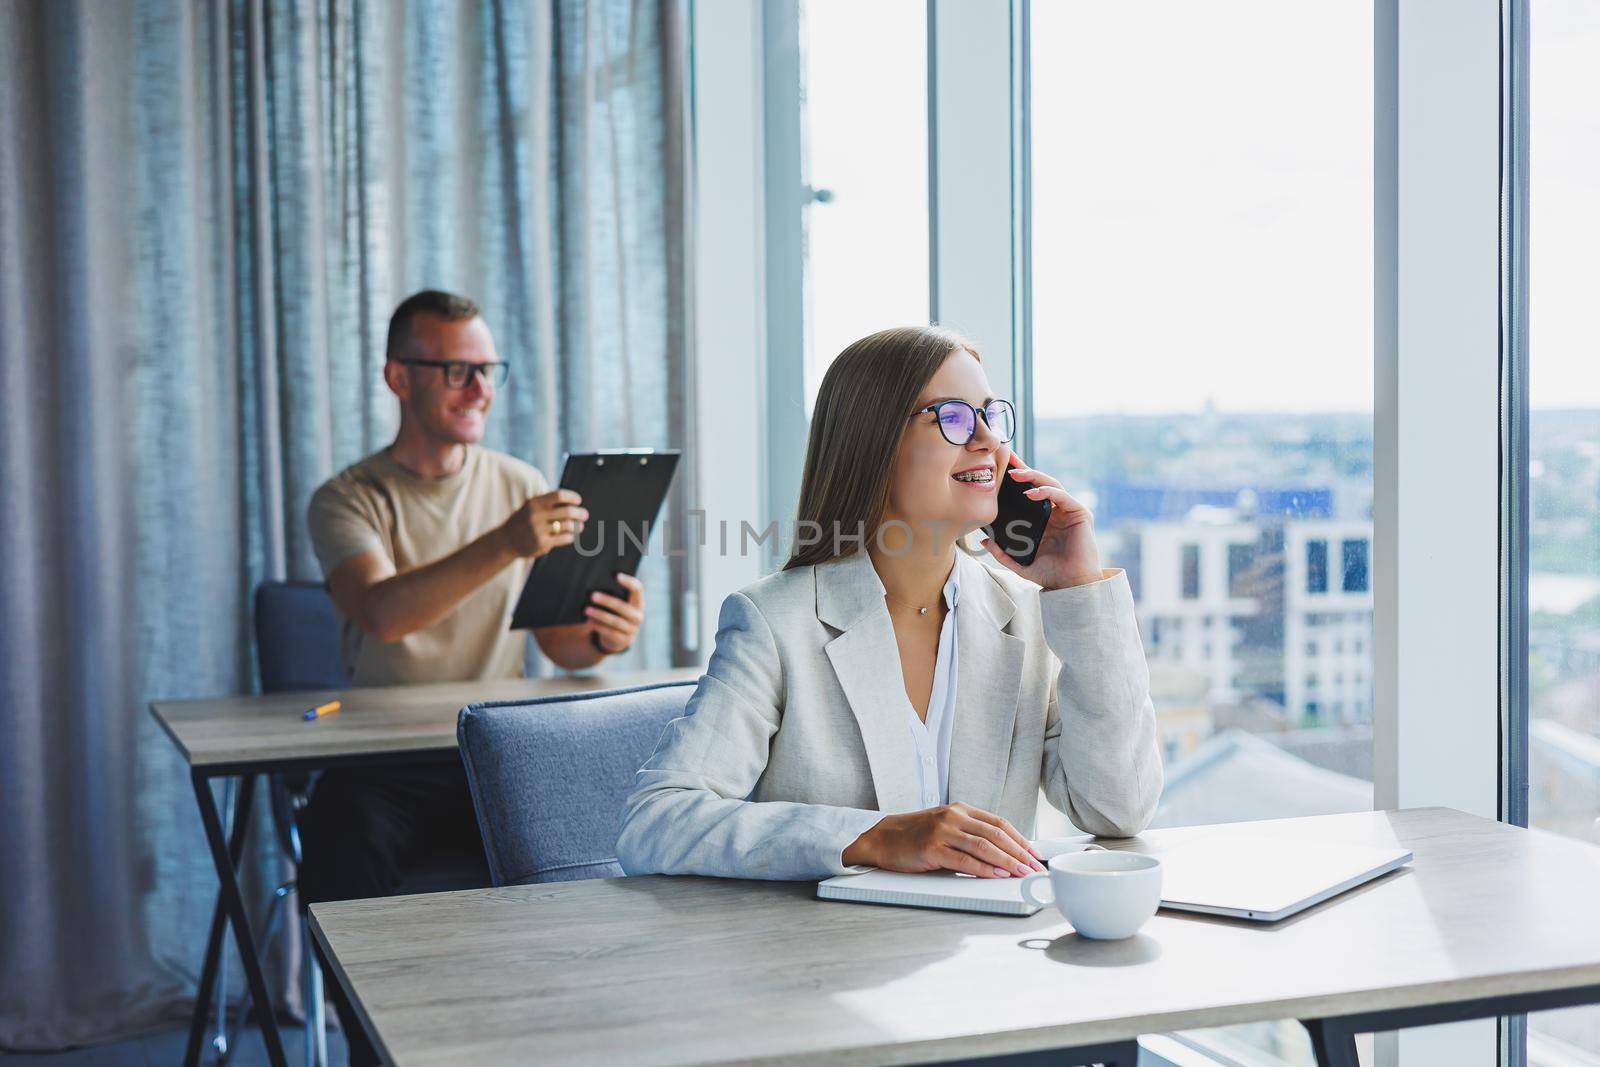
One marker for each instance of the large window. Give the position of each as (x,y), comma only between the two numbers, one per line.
(1564,441)
(864,135)
(1203,378)
(1202,264)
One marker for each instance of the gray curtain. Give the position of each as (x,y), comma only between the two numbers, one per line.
(207,213)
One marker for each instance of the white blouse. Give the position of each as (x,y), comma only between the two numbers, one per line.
(931,740)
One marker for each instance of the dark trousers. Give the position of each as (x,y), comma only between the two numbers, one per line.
(375,832)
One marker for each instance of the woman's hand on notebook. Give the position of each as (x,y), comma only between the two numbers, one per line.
(953,837)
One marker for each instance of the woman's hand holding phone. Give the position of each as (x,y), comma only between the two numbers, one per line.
(1068,554)
(952,837)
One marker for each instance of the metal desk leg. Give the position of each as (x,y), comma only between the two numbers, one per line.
(233,904)
(219,1040)
(213,957)
(1332,1044)
(316,1023)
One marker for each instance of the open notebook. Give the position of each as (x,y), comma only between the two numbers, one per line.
(942,889)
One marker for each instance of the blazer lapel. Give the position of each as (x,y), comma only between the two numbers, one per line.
(866,660)
(988,680)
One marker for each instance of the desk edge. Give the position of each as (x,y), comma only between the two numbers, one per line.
(330,961)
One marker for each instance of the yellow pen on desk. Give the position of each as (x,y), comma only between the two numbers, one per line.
(313,714)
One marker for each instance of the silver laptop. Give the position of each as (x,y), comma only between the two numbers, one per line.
(1267,878)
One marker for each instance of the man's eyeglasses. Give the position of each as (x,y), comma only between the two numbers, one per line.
(457,372)
(958,420)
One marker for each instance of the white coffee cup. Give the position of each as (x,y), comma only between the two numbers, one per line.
(1104,895)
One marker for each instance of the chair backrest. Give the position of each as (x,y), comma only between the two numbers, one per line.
(549,777)
(297,638)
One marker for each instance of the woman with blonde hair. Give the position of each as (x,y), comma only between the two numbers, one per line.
(886,699)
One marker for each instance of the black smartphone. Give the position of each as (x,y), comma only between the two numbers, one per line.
(1019,526)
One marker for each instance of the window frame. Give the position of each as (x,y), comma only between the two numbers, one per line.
(1515,449)
(980,188)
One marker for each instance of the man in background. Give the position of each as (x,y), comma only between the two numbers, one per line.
(426,546)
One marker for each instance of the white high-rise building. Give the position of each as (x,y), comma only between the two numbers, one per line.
(1280,610)
(1327,620)
(1186,602)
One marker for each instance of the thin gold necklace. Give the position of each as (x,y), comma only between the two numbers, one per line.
(920,610)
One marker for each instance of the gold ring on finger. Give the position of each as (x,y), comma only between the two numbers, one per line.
(555,526)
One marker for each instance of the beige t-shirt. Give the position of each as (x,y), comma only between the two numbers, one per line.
(376,505)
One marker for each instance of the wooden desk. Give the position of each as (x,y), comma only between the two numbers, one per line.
(1490,919)
(253,735)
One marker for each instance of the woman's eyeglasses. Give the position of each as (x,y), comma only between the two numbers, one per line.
(958,420)
(457,372)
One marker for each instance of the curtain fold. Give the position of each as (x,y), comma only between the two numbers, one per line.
(207,213)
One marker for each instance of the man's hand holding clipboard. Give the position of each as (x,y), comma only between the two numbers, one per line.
(546,522)
(614,498)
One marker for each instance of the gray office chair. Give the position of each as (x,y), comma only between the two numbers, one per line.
(297,648)
(549,777)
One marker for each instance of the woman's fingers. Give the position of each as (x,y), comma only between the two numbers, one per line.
(1028,474)
(1045,487)
(1005,826)
(956,837)
(980,848)
(1016,852)
(992,819)
(953,859)
(1059,497)
(1065,510)
(984,848)
(984,837)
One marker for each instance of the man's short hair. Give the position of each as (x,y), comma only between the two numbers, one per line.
(439,304)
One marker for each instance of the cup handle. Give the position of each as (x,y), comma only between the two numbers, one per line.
(1031,882)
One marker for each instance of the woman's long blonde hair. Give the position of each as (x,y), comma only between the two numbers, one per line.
(862,412)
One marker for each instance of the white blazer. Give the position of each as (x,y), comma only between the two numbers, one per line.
(795,742)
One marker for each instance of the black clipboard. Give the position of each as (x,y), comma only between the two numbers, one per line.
(623,491)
